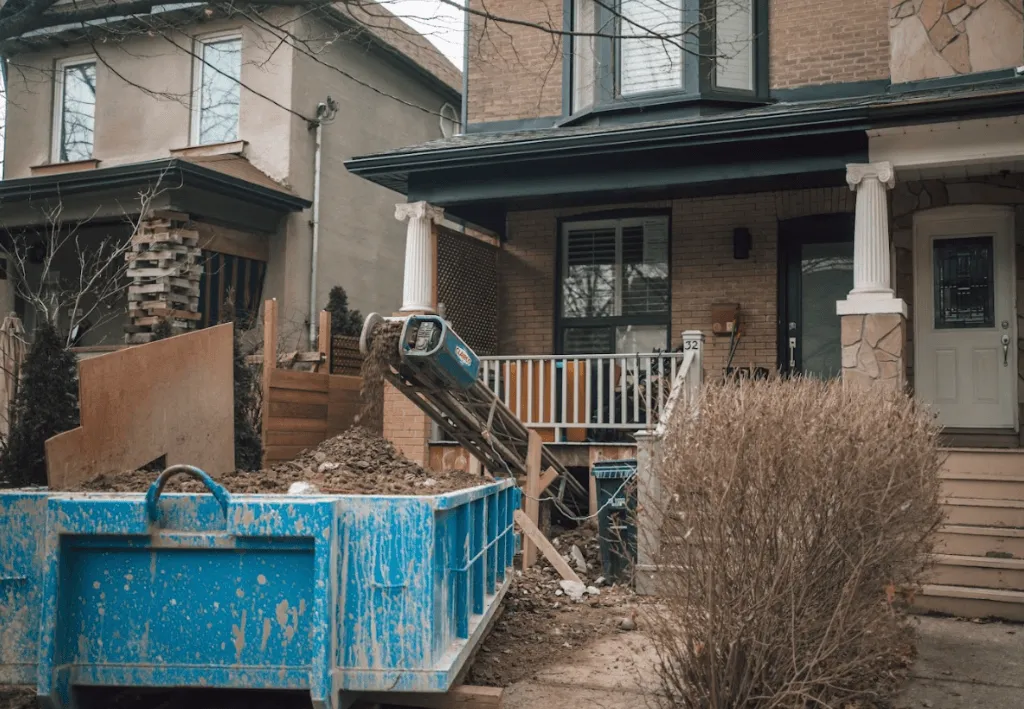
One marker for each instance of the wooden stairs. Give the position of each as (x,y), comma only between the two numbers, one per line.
(978,568)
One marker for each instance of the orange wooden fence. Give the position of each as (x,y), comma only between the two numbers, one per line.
(302,409)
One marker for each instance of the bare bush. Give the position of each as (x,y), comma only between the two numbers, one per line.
(794,514)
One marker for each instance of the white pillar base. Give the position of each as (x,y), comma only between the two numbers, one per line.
(871,304)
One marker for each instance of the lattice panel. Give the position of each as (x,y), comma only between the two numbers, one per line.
(467,286)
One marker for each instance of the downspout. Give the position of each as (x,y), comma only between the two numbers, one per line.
(325,113)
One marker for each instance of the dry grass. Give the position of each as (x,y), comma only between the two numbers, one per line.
(794,514)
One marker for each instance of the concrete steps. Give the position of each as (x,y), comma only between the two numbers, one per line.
(978,567)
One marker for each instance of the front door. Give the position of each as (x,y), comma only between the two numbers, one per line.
(816,271)
(965,353)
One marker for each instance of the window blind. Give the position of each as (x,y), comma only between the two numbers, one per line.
(650,55)
(734,33)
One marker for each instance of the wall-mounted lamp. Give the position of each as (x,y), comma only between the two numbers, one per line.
(741,242)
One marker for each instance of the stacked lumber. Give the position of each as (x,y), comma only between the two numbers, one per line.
(345,355)
(164,265)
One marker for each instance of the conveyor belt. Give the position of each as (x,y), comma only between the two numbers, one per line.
(475,417)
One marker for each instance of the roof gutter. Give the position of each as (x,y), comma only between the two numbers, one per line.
(177,173)
(395,168)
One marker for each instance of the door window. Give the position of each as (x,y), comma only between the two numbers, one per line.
(964,274)
(826,274)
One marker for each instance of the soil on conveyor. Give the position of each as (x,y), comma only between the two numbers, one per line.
(355,463)
(383,355)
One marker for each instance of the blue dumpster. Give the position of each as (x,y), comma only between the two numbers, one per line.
(334,594)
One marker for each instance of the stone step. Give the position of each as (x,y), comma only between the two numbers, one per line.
(968,602)
(986,461)
(976,572)
(979,512)
(989,486)
(979,541)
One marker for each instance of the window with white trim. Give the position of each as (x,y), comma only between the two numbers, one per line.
(614,285)
(628,50)
(217,90)
(74,114)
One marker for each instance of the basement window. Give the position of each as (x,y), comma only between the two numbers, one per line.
(74,110)
(217,90)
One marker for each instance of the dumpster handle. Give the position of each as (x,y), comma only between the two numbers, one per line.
(157,487)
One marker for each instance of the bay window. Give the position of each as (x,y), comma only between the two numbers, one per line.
(639,51)
(614,285)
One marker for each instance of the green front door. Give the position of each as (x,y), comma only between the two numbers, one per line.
(816,270)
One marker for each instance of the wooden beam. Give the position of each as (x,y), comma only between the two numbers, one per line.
(547,478)
(323,340)
(462,697)
(223,240)
(532,501)
(532,531)
(269,345)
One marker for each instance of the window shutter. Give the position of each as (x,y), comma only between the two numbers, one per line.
(734,32)
(588,287)
(649,63)
(645,268)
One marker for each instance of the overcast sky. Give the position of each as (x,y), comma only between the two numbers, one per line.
(441,23)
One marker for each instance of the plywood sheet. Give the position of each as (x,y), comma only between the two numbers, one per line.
(173,398)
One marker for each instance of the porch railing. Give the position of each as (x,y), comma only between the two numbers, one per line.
(587,398)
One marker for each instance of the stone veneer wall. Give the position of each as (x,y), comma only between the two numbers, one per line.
(934,38)
(873,350)
(912,196)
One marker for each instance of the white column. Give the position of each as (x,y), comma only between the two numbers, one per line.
(418,286)
(872,288)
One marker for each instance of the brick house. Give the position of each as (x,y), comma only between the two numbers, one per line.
(833,189)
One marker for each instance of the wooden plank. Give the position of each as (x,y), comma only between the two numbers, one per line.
(269,347)
(297,396)
(323,340)
(169,398)
(475,468)
(532,531)
(547,478)
(462,697)
(532,501)
(276,454)
(305,411)
(279,423)
(251,245)
(302,381)
(295,438)
(346,382)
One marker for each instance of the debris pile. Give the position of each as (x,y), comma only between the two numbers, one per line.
(542,622)
(355,463)
(18,698)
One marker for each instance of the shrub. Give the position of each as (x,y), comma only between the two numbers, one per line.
(46,404)
(793,513)
(248,418)
(343,321)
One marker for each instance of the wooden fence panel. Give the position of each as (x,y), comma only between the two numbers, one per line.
(304,409)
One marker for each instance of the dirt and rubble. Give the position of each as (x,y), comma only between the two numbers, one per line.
(540,624)
(356,462)
(382,356)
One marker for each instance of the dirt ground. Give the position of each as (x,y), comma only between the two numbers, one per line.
(540,625)
(355,463)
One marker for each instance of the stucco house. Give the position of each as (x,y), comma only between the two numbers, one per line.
(831,189)
(234,127)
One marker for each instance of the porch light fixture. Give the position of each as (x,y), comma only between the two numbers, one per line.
(741,242)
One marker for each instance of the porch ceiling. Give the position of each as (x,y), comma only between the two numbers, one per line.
(480,177)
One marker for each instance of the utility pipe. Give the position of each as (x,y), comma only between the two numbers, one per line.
(325,113)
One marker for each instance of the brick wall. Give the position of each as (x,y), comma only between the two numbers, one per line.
(515,72)
(405,425)
(828,41)
(703,270)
